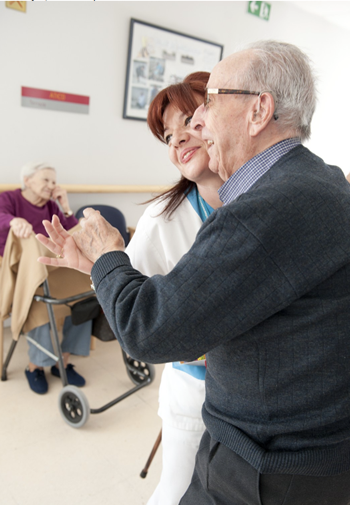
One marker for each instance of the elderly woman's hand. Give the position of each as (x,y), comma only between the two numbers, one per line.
(63,245)
(61,196)
(97,236)
(21,228)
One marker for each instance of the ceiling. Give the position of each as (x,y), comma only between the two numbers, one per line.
(333,12)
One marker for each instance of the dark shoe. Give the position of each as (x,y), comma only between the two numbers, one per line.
(37,381)
(72,376)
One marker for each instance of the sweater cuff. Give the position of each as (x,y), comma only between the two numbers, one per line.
(106,264)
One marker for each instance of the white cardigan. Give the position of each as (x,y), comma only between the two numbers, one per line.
(159,243)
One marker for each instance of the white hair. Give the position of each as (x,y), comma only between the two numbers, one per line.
(287,72)
(32,168)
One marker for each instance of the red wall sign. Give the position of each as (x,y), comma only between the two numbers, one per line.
(54,100)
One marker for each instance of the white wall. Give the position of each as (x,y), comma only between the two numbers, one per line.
(81,48)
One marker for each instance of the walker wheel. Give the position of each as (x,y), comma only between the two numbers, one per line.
(73,406)
(138,371)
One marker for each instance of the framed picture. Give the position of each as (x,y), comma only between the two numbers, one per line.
(158,57)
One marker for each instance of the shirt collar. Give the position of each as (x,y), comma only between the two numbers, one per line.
(250,172)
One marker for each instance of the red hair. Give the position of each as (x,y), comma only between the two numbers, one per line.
(184,96)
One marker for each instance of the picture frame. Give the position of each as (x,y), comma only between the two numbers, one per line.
(159,57)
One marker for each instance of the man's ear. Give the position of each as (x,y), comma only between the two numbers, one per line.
(262,113)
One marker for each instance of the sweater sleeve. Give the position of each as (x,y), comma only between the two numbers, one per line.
(251,259)
(226,267)
(7,211)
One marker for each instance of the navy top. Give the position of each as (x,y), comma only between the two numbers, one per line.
(264,292)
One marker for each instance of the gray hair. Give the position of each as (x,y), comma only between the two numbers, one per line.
(286,71)
(32,168)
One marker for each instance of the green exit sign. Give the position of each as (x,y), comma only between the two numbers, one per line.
(260,9)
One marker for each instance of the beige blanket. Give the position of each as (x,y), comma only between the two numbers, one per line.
(20,277)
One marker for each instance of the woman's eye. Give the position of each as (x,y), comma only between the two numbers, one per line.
(168,139)
(188,120)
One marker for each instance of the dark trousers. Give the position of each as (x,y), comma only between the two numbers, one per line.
(221,477)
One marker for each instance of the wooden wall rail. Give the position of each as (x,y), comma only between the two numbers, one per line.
(98,188)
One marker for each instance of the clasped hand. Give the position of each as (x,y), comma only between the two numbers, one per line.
(21,228)
(61,196)
(81,249)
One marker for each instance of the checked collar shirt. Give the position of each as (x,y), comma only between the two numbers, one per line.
(250,172)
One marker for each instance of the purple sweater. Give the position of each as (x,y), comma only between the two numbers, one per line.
(12,204)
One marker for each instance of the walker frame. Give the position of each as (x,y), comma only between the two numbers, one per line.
(73,404)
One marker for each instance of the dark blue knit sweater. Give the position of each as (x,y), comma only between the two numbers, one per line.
(265,293)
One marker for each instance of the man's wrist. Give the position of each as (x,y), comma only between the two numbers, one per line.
(68,213)
(106,264)
(107,250)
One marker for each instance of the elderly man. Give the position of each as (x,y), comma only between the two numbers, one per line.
(264,292)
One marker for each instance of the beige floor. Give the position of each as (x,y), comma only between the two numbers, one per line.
(45,461)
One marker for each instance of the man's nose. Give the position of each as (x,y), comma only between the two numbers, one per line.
(197,121)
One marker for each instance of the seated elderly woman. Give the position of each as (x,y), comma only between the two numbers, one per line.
(23,210)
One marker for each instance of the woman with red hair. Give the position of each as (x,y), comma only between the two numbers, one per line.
(165,232)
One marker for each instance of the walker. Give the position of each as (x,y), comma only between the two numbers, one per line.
(72,402)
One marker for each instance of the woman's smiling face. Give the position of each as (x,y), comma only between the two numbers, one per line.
(186,151)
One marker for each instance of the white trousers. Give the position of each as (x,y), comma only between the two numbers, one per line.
(179,453)
(181,397)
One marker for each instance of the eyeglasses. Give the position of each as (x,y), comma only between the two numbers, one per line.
(224,91)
